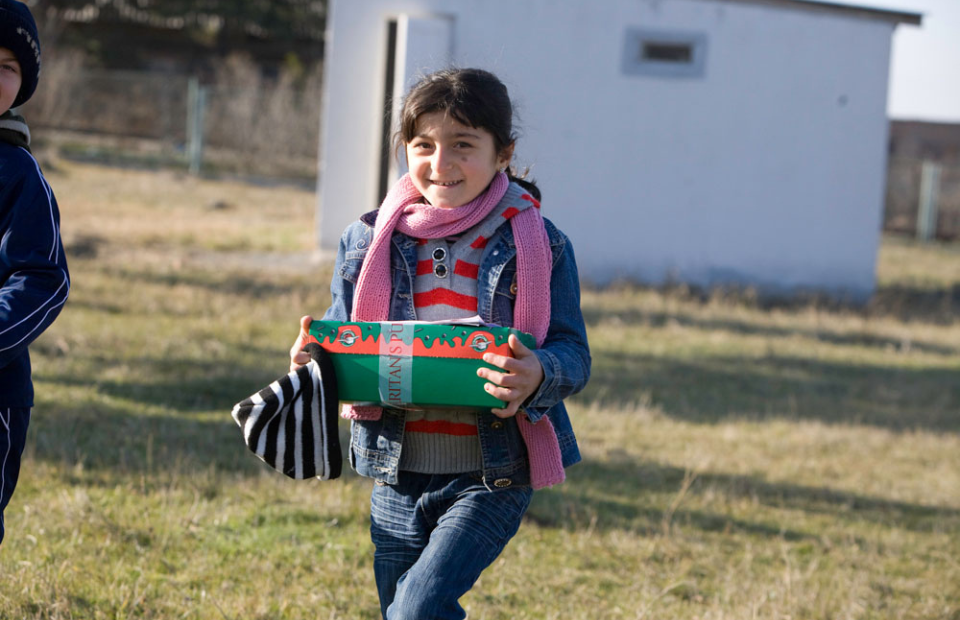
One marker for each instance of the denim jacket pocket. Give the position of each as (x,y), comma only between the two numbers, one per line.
(504,295)
(507,283)
(352,263)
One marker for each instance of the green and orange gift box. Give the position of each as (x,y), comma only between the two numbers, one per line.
(413,364)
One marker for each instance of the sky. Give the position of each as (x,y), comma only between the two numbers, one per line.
(925,64)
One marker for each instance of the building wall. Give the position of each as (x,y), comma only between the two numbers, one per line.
(766,171)
(923,140)
(914,144)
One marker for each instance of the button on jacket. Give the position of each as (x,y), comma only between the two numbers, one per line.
(565,355)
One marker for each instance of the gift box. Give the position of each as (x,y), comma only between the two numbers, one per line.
(413,364)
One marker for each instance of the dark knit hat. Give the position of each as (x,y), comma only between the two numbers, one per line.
(18,33)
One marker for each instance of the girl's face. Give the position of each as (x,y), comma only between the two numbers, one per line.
(10,79)
(451,164)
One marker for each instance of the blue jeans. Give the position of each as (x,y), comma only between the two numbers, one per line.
(13,437)
(434,534)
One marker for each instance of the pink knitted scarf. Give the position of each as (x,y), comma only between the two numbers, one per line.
(403,210)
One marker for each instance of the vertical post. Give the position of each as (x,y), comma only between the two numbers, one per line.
(167,141)
(196,103)
(929,197)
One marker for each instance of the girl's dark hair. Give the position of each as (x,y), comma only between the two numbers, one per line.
(473,97)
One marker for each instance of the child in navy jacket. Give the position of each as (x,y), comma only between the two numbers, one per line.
(34,282)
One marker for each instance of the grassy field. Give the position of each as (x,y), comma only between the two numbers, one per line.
(741,459)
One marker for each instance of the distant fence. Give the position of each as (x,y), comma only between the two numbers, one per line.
(270,126)
(250,124)
(923,199)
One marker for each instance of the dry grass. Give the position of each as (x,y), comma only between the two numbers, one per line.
(741,460)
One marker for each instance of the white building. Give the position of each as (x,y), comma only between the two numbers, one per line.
(699,141)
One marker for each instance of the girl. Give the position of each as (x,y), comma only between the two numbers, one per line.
(457,236)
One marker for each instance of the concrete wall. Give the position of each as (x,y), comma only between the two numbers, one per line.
(768,170)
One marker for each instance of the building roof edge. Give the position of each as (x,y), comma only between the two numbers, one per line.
(890,15)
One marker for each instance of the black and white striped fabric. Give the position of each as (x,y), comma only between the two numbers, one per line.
(292,423)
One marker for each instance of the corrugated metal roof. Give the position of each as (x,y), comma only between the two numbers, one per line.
(131,12)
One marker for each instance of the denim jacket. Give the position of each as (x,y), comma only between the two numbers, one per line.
(565,356)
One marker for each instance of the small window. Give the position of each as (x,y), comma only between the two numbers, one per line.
(667,52)
(664,53)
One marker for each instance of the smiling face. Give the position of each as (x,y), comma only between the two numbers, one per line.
(451,163)
(10,79)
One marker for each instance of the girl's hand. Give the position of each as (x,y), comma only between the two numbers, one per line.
(297,357)
(522,377)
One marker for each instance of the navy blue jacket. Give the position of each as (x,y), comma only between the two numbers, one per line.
(34,281)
